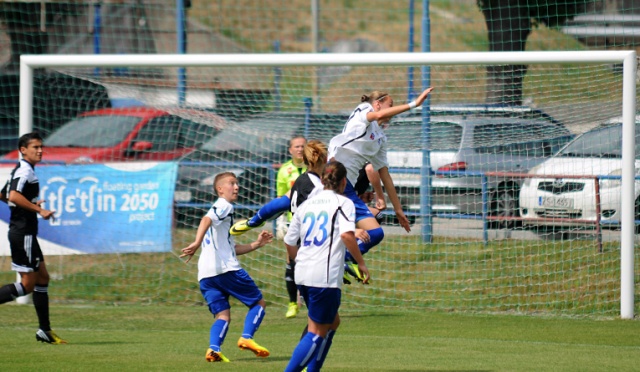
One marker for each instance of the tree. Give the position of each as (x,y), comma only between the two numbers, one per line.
(509,23)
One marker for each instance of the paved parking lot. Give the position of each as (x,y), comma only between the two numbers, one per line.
(472,229)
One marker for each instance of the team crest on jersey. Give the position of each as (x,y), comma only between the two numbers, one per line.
(372,136)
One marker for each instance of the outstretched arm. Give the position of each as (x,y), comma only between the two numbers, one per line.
(395,110)
(264,238)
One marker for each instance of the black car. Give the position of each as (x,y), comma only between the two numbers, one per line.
(253,149)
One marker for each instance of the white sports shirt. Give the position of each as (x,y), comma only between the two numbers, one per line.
(318,224)
(218,246)
(360,142)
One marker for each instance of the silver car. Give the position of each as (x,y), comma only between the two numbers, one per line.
(550,199)
(473,140)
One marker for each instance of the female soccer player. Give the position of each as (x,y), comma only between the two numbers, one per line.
(220,274)
(324,225)
(314,156)
(286,177)
(363,140)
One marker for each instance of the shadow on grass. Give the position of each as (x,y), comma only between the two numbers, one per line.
(104,343)
(369,315)
(270,359)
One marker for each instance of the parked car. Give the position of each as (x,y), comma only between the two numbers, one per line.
(124,134)
(253,149)
(472,138)
(597,152)
(57,98)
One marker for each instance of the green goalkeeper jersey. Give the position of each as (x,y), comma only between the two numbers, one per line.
(287,175)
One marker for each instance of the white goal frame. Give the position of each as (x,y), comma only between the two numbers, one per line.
(627,58)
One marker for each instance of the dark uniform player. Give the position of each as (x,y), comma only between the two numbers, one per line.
(26,257)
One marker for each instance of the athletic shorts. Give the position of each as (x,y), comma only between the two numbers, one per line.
(217,289)
(362,211)
(322,303)
(25,253)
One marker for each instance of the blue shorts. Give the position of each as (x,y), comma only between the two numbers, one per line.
(322,303)
(217,289)
(362,211)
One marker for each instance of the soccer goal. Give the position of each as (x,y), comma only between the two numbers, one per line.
(505,218)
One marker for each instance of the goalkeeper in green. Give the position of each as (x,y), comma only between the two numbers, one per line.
(287,175)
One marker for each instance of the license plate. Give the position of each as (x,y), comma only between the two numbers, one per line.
(554,202)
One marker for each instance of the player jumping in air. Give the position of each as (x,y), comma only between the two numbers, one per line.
(363,141)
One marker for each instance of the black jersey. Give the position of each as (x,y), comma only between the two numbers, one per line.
(306,186)
(24,180)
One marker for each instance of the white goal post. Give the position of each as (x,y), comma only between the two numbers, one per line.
(627,58)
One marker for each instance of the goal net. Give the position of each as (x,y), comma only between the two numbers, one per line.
(505,218)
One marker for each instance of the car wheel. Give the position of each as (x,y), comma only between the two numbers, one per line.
(504,203)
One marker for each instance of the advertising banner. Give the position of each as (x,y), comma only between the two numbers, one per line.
(102,208)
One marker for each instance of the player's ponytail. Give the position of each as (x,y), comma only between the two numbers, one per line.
(314,155)
(376,95)
(333,174)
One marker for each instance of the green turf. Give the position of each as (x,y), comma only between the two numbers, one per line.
(568,278)
(174,338)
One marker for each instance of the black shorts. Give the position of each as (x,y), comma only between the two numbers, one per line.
(25,253)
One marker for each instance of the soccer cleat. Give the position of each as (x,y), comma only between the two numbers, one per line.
(352,269)
(345,279)
(250,344)
(49,337)
(292,311)
(242,227)
(215,356)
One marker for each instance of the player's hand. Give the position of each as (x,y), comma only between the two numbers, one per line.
(264,238)
(381,204)
(366,197)
(363,235)
(189,251)
(423,96)
(403,220)
(47,214)
(365,271)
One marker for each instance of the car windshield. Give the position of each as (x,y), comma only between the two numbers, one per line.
(260,136)
(406,136)
(603,142)
(519,138)
(93,131)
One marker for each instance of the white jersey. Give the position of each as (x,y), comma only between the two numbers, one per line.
(317,225)
(360,142)
(218,246)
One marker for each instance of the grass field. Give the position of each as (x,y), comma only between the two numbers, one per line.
(174,338)
(548,278)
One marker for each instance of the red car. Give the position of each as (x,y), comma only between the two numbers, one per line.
(133,133)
